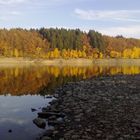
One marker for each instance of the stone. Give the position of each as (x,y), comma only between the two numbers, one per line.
(61,139)
(60,120)
(48,96)
(55,132)
(56,96)
(75,137)
(54,122)
(39,122)
(33,109)
(10,130)
(77,120)
(94,110)
(52,118)
(49,132)
(48,114)
(45,109)
(46,138)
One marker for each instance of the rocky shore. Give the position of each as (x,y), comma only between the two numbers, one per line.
(100,108)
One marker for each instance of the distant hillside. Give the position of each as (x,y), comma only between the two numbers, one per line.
(62,43)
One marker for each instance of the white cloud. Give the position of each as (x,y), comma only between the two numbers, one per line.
(7,2)
(3,18)
(120,15)
(13,120)
(9,15)
(14,13)
(127,31)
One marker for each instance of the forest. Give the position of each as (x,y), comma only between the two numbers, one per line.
(50,43)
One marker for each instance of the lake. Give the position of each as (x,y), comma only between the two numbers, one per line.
(19,93)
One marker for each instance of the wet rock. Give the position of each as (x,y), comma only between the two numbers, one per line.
(49,132)
(52,118)
(98,108)
(75,137)
(39,122)
(77,120)
(54,122)
(48,96)
(56,96)
(61,120)
(46,109)
(136,125)
(55,133)
(67,110)
(46,138)
(53,102)
(61,139)
(48,114)
(33,109)
(87,138)
(10,130)
(79,116)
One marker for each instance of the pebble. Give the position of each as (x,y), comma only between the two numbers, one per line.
(98,108)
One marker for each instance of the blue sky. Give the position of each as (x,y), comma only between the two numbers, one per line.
(111,17)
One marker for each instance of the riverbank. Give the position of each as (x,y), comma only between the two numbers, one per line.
(68,62)
(100,108)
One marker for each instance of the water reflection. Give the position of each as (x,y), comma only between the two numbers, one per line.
(30,79)
(16,115)
(23,83)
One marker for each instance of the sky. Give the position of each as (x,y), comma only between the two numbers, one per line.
(110,17)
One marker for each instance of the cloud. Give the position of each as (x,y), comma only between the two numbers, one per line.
(13,120)
(127,31)
(14,13)
(7,2)
(119,15)
(9,15)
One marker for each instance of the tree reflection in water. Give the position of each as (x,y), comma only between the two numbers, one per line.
(30,79)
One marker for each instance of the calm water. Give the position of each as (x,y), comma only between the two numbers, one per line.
(19,88)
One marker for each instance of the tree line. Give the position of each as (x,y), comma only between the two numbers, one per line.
(49,43)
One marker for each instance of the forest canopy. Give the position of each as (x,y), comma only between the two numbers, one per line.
(49,43)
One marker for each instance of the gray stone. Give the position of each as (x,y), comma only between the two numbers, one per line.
(56,95)
(49,132)
(39,122)
(46,138)
(33,109)
(75,137)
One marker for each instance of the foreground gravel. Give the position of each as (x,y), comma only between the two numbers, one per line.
(100,108)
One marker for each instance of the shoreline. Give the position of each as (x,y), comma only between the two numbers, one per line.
(69,62)
(87,110)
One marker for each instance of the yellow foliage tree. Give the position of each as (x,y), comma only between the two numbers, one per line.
(16,52)
(56,53)
(115,54)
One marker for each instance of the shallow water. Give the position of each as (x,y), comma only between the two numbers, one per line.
(16,115)
(19,92)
